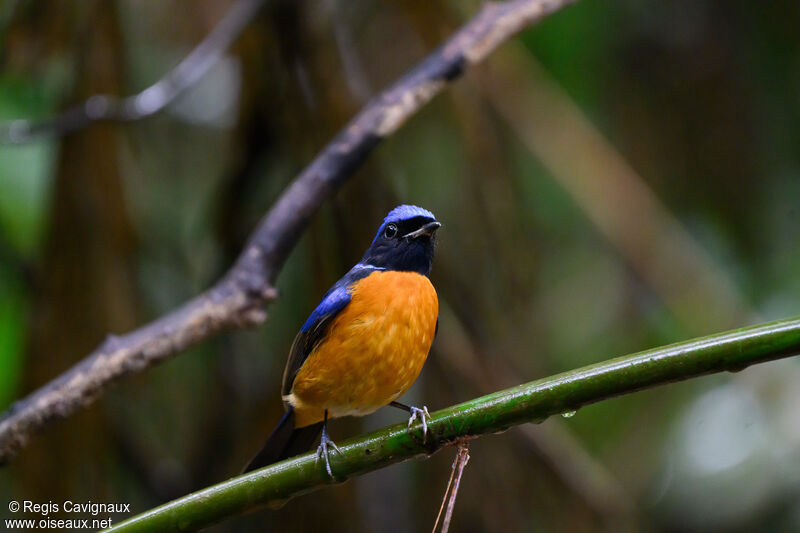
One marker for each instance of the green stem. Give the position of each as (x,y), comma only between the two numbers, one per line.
(532,402)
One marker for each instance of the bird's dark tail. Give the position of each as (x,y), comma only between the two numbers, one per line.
(285,441)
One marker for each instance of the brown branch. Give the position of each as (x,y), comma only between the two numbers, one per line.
(237,300)
(106,107)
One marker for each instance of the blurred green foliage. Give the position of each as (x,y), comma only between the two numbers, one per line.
(13,313)
(25,171)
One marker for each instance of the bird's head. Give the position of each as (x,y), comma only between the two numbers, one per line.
(404,241)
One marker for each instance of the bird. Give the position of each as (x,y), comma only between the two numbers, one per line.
(365,343)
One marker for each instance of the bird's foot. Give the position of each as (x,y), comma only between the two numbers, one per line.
(423,415)
(325,443)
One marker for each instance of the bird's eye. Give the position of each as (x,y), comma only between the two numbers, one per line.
(390,231)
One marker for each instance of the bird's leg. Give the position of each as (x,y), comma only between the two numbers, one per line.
(423,415)
(324,443)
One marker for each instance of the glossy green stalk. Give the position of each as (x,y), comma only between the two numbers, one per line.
(532,402)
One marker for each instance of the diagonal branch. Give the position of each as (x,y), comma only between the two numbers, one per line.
(531,402)
(105,107)
(237,300)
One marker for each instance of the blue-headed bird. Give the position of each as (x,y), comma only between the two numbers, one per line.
(365,343)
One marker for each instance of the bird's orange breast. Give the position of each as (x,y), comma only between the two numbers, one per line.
(374,350)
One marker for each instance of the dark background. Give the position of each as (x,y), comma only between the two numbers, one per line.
(622,176)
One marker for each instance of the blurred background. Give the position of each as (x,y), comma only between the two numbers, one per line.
(622,176)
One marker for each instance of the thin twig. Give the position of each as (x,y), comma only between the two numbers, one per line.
(105,107)
(461,460)
(446,492)
(237,300)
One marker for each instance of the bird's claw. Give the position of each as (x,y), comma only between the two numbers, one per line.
(424,415)
(322,450)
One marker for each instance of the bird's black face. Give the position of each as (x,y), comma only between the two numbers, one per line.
(404,244)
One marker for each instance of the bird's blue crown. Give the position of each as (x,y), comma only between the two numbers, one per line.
(392,250)
(403,212)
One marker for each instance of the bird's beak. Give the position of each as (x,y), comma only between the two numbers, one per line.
(427,230)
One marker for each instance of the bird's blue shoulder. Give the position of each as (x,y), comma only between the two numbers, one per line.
(338,296)
(316,327)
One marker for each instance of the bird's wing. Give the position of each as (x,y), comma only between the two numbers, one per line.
(315,327)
